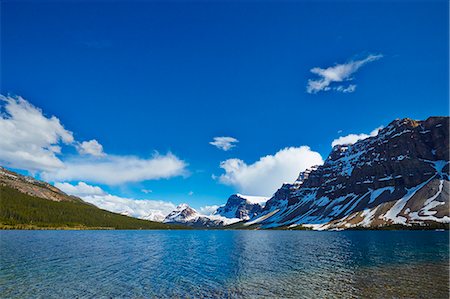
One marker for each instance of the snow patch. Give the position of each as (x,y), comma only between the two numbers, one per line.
(375,193)
(262,218)
(393,213)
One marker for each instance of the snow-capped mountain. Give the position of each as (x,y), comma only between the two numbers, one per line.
(238,208)
(400,176)
(186,215)
(182,213)
(242,206)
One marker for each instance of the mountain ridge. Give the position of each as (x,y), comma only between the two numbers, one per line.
(372,182)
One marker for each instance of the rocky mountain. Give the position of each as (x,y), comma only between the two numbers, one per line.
(242,206)
(399,177)
(33,187)
(186,215)
(238,208)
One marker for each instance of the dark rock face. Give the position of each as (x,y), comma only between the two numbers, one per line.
(404,156)
(238,206)
(399,149)
(280,198)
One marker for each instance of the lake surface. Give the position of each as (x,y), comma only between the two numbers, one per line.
(224,264)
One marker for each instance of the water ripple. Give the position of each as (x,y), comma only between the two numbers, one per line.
(223,264)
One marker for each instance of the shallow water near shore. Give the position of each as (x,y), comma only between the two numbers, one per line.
(224,264)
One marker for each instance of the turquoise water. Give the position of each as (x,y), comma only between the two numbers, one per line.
(224,264)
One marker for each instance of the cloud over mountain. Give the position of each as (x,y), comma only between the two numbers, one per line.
(140,208)
(80,189)
(264,176)
(352,138)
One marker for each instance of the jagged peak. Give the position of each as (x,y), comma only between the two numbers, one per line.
(183,206)
(304,174)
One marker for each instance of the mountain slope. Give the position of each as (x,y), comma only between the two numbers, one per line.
(27,203)
(33,187)
(399,177)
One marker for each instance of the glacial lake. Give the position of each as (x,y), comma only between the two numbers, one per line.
(224,264)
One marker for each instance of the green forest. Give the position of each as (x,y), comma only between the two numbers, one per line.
(22,211)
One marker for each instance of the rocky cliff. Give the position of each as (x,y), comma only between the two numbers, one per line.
(400,176)
(242,206)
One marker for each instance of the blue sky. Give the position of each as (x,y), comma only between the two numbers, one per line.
(149,76)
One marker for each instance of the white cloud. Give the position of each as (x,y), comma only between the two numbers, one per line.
(154,210)
(29,139)
(267,174)
(113,170)
(224,143)
(146,191)
(352,138)
(81,189)
(191,193)
(91,147)
(337,73)
(32,141)
(208,210)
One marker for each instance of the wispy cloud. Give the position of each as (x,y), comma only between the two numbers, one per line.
(224,143)
(352,138)
(267,174)
(337,74)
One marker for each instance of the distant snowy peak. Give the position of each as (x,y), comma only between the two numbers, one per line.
(242,206)
(186,215)
(182,214)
